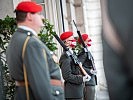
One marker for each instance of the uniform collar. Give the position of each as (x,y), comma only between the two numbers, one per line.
(28,29)
(71,51)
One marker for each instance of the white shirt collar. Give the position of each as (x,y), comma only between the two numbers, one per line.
(28,29)
(71,51)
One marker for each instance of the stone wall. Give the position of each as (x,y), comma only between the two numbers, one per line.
(92,16)
(6,8)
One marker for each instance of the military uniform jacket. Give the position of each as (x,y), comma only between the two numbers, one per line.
(73,84)
(39,69)
(87,61)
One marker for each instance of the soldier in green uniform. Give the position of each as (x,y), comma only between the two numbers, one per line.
(74,80)
(43,74)
(88,63)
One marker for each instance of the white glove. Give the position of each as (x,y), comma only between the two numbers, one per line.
(94,72)
(86,78)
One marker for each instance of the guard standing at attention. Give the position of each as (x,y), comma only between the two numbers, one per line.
(74,80)
(30,61)
(88,63)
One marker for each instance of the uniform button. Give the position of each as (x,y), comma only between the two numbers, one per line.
(28,33)
(57,92)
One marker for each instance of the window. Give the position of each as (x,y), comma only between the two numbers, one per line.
(42,2)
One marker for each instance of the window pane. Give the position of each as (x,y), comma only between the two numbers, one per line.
(40,1)
(43,4)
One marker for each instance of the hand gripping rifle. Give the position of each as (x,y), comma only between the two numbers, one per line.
(84,46)
(69,53)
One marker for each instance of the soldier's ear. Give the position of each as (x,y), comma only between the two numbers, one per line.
(29,16)
(66,42)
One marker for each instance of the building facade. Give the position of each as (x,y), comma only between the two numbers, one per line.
(61,13)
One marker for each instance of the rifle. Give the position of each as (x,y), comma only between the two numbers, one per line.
(69,53)
(84,46)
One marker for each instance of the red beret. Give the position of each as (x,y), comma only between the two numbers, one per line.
(84,37)
(29,6)
(66,35)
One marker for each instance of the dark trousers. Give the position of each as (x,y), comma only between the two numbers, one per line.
(89,93)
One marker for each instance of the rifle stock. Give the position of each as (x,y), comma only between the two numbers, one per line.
(83,70)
